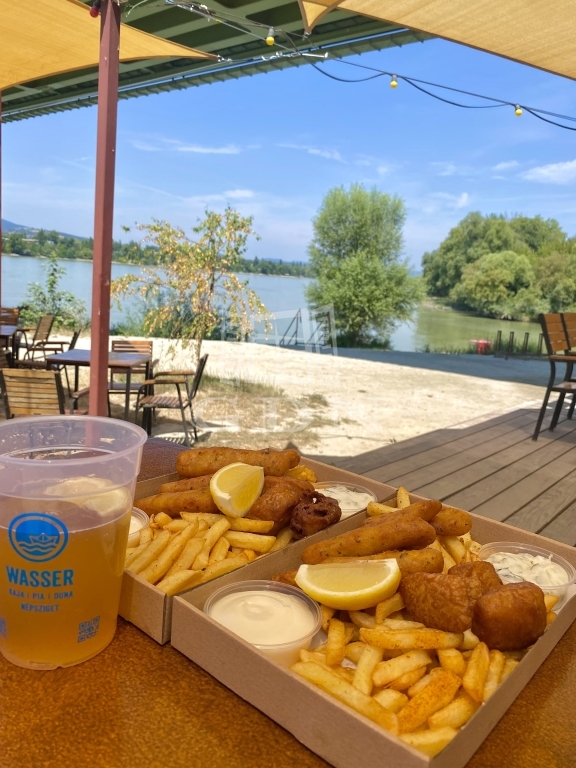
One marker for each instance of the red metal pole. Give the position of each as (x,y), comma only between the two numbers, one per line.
(0,198)
(104,204)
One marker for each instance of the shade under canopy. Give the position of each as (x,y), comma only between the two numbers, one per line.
(39,38)
(532,32)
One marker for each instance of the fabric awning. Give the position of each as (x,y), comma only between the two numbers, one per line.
(39,38)
(532,32)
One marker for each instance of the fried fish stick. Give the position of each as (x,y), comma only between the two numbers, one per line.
(451,522)
(398,530)
(184,501)
(409,560)
(190,484)
(276,504)
(206,461)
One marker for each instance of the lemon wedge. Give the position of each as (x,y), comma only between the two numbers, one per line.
(350,586)
(236,487)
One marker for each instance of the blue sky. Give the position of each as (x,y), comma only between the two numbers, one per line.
(272,145)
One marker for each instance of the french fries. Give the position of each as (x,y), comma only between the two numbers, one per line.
(390,670)
(476,672)
(402,498)
(409,639)
(365,667)
(336,642)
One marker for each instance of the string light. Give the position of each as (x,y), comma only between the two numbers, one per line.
(240,24)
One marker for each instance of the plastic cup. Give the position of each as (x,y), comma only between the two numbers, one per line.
(66,490)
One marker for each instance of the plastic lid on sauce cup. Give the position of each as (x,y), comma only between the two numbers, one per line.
(143,522)
(284,653)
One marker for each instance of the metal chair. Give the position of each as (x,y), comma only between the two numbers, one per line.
(149,401)
(558,347)
(34,393)
(39,339)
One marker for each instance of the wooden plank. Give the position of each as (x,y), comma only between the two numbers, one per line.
(502,506)
(563,527)
(542,510)
(504,476)
(464,487)
(421,477)
(380,456)
(411,464)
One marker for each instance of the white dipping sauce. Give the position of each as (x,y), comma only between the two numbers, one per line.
(349,500)
(135,524)
(523,566)
(263,617)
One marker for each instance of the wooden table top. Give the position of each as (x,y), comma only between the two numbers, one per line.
(115,359)
(141,705)
(8,330)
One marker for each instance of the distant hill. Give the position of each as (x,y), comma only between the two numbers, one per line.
(10,226)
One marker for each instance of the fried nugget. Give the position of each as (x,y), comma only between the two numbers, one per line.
(481,577)
(510,618)
(185,501)
(205,461)
(190,484)
(313,514)
(451,522)
(399,530)
(409,560)
(276,504)
(439,601)
(287,577)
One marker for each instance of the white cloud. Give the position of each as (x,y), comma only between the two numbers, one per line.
(453,201)
(507,166)
(555,173)
(383,169)
(144,146)
(329,154)
(239,194)
(230,149)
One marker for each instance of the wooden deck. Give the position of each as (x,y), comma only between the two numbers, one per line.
(492,468)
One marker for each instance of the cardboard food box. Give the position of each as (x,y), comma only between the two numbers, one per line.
(331,729)
(150,609)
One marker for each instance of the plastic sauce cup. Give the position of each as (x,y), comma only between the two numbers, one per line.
(283,617)
(66,490)
(138,522)
(514,548)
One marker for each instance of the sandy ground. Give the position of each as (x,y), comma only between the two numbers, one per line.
(346,404)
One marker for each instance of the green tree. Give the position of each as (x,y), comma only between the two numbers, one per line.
(356,265)
(474,237)
(538,233)
(500,285)
(556,277)
(193,284)
(69,312)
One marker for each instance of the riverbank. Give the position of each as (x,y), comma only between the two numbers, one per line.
(336,406)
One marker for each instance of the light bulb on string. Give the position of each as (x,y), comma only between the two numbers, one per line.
(393,82)
(518,110)
(270,39)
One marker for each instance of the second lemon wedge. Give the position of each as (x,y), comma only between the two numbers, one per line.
(236,487)
(350,586)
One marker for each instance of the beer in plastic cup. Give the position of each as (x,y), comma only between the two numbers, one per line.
(66,491)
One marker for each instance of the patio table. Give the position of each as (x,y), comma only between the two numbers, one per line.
(8,332)
(141,704)
(122,360)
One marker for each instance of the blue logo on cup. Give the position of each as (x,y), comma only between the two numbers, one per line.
(37,537)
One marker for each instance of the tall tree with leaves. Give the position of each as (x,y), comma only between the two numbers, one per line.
(355,258)
(193,285)
(69,312)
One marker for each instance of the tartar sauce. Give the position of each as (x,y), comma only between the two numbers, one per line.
(523,566)
(262,617)
(350,501)
(135,524)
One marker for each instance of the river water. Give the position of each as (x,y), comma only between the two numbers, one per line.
(430,328)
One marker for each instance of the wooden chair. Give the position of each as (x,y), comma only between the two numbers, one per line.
(34,393)
(52,348)
(149,401)
(558,348)
(39,338)
(9,316)
(143,347)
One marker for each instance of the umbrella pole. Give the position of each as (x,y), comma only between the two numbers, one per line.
(104,205)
